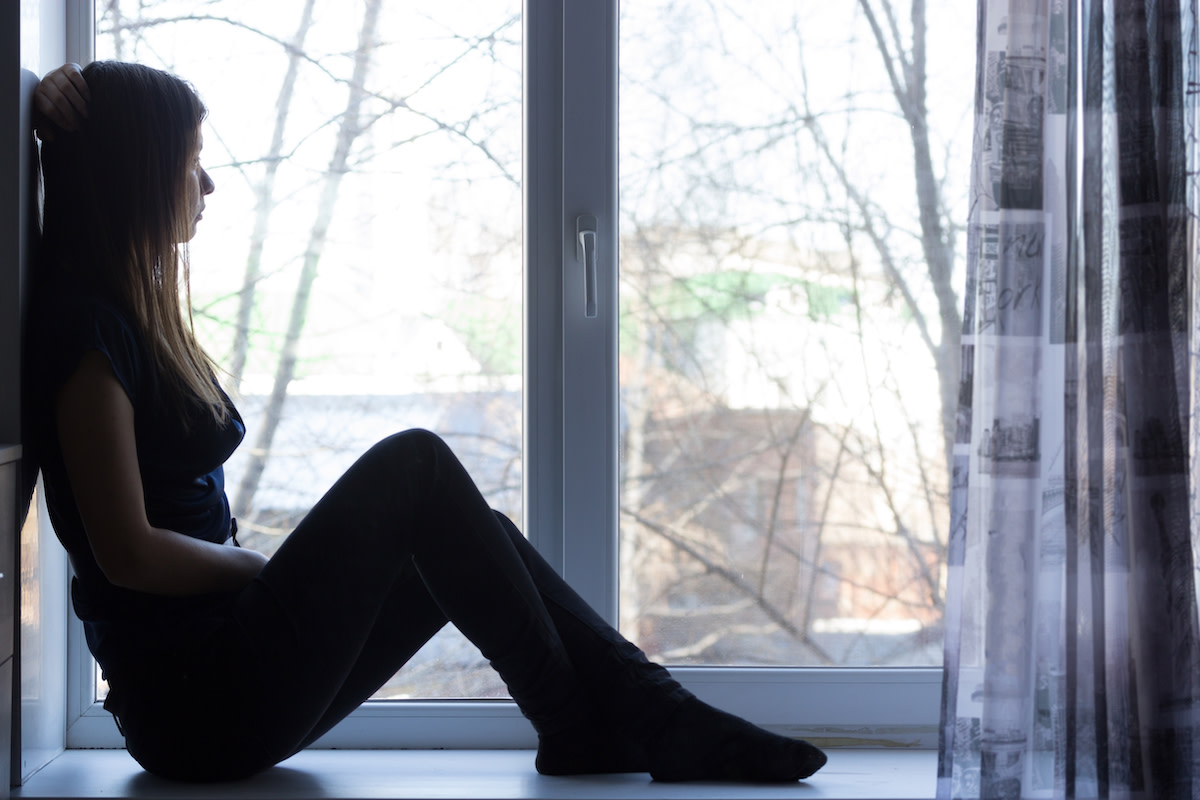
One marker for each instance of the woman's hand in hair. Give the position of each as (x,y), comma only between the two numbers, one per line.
(60,102)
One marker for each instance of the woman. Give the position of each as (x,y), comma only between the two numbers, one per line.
(221,662)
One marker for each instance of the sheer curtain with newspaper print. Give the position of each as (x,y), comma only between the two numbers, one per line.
(1072,660)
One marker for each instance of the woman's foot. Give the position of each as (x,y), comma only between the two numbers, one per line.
(699,742)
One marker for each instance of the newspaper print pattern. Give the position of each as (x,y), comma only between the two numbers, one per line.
(1072,663)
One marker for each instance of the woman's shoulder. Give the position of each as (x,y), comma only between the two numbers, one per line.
(63,308)
(64,325)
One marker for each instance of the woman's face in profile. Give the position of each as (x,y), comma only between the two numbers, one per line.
(198,184)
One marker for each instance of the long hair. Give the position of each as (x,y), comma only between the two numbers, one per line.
(115,216)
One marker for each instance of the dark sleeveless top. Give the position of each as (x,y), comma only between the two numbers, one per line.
(181,469)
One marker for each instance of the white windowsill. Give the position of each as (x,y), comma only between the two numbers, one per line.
(469,775)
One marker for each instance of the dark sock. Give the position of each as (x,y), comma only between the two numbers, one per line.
(590,748)
(699,742)
(585,755)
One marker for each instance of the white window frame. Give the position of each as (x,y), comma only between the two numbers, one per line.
(571,493)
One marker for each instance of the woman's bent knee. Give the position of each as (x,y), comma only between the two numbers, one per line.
(404,447)
(414,454)
(414,439)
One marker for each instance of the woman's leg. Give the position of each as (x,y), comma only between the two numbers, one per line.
(660,726)
(639,717)
(408,619)
(401,543)
(242,712)
(630,695)
(407,510)
(626,685)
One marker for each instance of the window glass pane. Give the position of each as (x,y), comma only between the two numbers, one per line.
(393,273)
(791,255)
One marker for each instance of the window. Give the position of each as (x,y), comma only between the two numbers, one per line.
(788,376)
(739,455)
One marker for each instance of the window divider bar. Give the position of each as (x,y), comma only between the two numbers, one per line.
(542,333)
(589,301)
(81,31)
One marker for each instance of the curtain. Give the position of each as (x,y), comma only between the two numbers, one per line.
(1072,664)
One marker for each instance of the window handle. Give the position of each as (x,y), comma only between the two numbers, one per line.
(585,251)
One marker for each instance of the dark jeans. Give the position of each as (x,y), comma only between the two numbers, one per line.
(400,545)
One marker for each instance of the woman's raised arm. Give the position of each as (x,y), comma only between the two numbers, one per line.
(96,432)
(60,101)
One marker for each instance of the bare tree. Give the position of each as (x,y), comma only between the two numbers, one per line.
(265,198)
(848,555)
(112,12)
(349,129)
(905,65)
